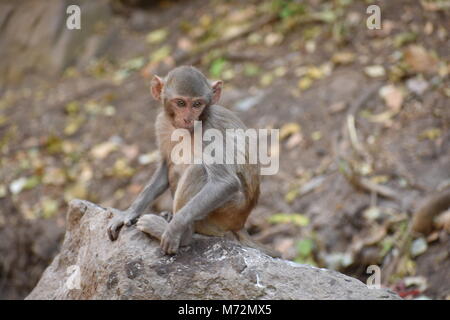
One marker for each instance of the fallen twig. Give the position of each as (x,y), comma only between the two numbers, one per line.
(366,185)
(350,124)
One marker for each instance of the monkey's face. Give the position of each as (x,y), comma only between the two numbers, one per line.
(185,110)
(185,93)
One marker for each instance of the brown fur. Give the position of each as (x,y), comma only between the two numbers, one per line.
(209,198)
(231,217)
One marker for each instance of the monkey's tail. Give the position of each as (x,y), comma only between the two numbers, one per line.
(423,218)
(245,239)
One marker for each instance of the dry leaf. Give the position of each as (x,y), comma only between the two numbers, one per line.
(2,191)
(431,134)
(443,221)
(102,150)
(288,129)
(338,107)
(273,39)
(266,79)
(375,71)
(383,117)
(295,218)
(304,83)
(76,191)
(315,73)
(121,169)
(131,151)
(294,140)
(420,60)
(160,54)
(148,157)
(392,96)
(343,57)
(74,124)
(49,207)
(157,36)
(291,195)
(54,176)
(185,44)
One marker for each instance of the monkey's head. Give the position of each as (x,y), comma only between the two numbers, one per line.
(185,94)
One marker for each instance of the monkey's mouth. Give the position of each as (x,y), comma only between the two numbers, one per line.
(188,126)
(185,124)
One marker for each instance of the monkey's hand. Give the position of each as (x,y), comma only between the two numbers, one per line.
(170,240)
(121,218)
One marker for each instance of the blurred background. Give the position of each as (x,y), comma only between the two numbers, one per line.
(364,118)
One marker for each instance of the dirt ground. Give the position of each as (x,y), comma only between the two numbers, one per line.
(90,133)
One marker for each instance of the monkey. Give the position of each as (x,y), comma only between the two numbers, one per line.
(422,221)
(208,199)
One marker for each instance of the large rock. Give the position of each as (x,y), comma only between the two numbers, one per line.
(90,266)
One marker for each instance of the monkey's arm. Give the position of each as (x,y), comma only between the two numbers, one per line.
(213,195)
(156,186)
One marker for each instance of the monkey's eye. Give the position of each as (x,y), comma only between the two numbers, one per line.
(180,103)
(197,104)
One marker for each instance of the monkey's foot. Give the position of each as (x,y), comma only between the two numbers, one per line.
(152,224)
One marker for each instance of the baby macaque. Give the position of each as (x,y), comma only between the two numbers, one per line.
(209,199)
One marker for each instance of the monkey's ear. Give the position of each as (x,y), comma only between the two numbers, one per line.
(156,87)
(217,91)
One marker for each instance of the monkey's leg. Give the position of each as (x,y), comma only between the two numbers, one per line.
(155,226)
(212,195)
(152,224)
(157,185)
